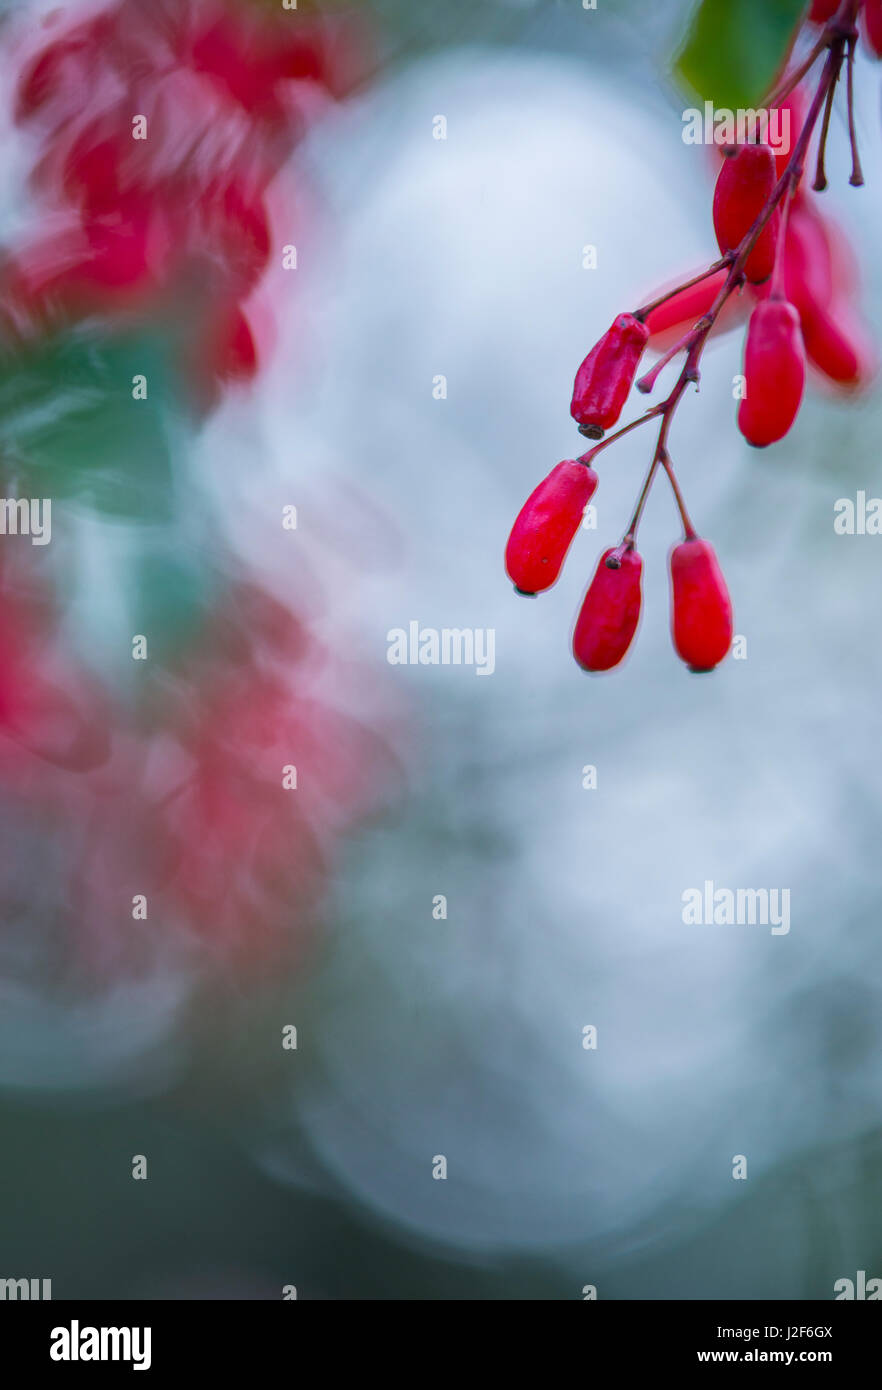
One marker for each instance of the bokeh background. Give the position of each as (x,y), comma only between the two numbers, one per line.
(416,1037)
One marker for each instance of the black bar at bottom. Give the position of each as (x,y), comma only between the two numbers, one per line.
(156,1338)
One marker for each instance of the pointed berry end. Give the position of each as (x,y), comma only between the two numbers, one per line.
(591,431)
(701,670)
(526,593)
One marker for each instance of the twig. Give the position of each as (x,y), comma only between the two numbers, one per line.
(589,457)
(686,285)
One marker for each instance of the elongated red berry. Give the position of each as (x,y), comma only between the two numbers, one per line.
(822,10)
(607,375)
(546,525)
(821,283)
(808,262)
(837,346)
(684,308)
(743,188)
(774,372)
(871,24)
(701,611)
(610,612)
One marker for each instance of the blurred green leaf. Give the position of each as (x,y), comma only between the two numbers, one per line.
(735,47)
(71,428)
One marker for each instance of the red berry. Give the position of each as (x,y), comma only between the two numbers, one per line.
(820,280)
(684,308)
(837,348)
(871,17)
(546,525)
(607,375)
(610,612)
(774,370)
(822,10)
(808,264)
(743,187)
(701,612)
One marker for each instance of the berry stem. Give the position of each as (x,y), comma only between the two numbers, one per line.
(666,410)
(794,78)
(642,312)
(776,289)
(688,529)
(650,414)
(857,173)
(629,538)
(842,25)
(648,380)
(820,182)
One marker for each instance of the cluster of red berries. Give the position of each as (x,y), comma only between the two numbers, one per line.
(805,317)
(610,611)
(775,242)
(169,218)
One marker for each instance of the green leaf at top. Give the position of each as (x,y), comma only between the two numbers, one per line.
(734,49)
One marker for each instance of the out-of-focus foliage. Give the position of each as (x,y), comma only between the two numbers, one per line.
(66,422)
(735,47)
